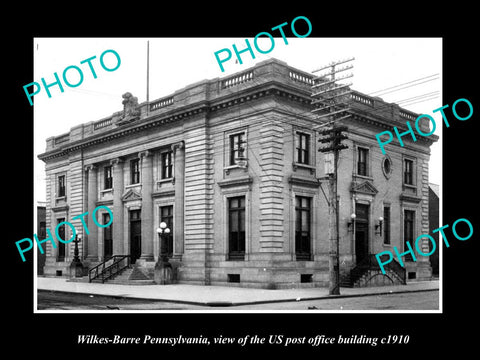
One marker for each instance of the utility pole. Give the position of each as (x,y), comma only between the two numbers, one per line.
(332,101)
(334,136)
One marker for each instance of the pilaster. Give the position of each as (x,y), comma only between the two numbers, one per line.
(91,239)
(117,225)
(147,205)
(179,160)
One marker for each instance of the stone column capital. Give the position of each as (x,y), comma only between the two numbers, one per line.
(90,167)
(145,153)
(177,146)
(116,161)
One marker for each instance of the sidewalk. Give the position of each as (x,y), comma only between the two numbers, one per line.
(220,295)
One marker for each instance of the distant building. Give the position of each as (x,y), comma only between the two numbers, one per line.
(231,165)
(41,232)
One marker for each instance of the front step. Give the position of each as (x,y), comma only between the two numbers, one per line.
(346,280)
(131,276)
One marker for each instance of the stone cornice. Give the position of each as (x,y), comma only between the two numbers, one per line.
(209,107)
(273,79)
(132,128)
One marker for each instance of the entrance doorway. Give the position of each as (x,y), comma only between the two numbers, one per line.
(361,232)
(135,235)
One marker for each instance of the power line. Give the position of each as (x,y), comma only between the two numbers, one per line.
(406,83)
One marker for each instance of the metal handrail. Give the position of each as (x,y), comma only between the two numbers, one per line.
(94,273)
(370,262)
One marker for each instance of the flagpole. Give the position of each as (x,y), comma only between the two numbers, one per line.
(148,70)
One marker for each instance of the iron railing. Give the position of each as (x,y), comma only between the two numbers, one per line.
(370,263)
(105,272)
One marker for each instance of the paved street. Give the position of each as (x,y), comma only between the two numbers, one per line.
(423,300)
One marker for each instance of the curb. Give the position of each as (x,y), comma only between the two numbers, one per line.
(220,303)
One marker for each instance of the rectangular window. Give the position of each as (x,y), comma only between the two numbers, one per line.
(386,225)
(61,186)
(108,177)
(166,216)
(362,161)
(134,171)
(237,149)
(302,148)
(107,238)
(408,172)
(408,232)
(302,227)
(167,165)
(60,244)
(236,228)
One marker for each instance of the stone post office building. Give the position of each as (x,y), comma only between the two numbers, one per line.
(231,165)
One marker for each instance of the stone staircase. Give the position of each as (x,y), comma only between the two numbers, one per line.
(131,276)
(368,273)
(119,270)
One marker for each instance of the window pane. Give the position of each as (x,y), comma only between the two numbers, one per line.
(236,224)
(134,171)
(302,147)
(61,185)
(305,221)
(242,220)
(302,227)
(61,245)
(386,225)
(233,221)
(409,223)
(236,147)
(362,161)
(408,178)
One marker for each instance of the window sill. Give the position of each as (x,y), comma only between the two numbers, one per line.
(236,257)
(133,185)
(365,177)
(296,165)
(409,190)
(166,180)
(227,169)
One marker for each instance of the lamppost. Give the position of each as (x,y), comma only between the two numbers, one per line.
(378,226)
(163,269)
(162,231)
(351,224)
(76,267)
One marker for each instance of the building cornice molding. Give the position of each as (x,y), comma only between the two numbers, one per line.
(144,124)
(271,88)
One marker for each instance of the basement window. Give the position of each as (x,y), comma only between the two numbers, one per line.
(412,275)
(233,278)
(306,278)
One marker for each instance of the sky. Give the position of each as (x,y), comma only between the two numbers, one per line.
(404,68)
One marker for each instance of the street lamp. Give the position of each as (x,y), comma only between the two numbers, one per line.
(378,226)
(76,266)
(351,223)
(161,231)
